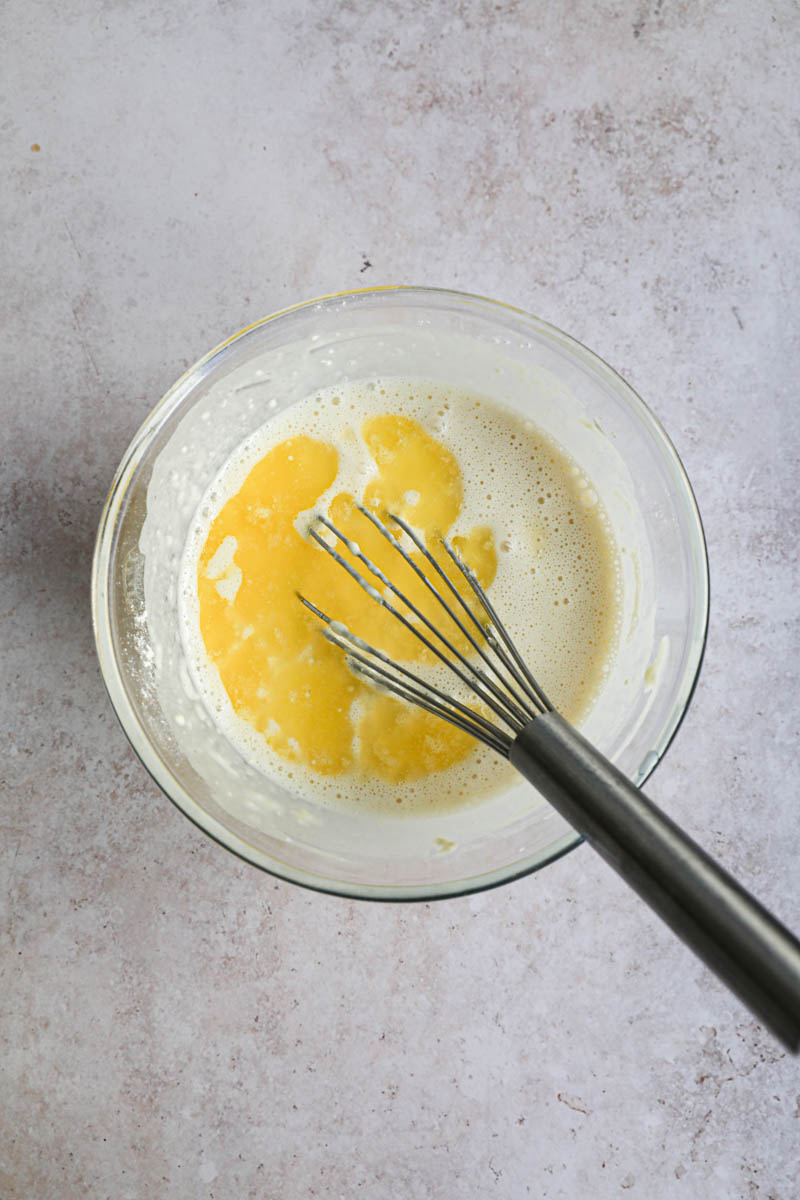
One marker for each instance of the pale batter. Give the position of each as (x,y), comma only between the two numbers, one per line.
(516,507)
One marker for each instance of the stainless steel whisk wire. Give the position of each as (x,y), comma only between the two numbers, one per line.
(748,948)
(514,697)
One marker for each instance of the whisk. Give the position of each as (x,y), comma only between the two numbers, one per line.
(751,951)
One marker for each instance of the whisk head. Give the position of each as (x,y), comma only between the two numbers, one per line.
(494,671)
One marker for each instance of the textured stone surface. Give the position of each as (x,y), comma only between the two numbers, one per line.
(174,1023)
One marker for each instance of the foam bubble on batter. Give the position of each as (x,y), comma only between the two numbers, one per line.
(556,588)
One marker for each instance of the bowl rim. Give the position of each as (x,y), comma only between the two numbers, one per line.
(160,772)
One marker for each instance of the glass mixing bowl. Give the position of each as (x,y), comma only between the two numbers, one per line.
(452,338)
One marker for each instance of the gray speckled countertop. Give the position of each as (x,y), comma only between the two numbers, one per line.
(172,1022)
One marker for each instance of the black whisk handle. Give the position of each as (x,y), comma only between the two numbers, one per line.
(752,952)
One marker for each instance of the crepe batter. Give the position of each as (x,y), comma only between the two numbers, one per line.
(512,503)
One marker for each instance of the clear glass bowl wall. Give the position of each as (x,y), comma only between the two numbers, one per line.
(456,339)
